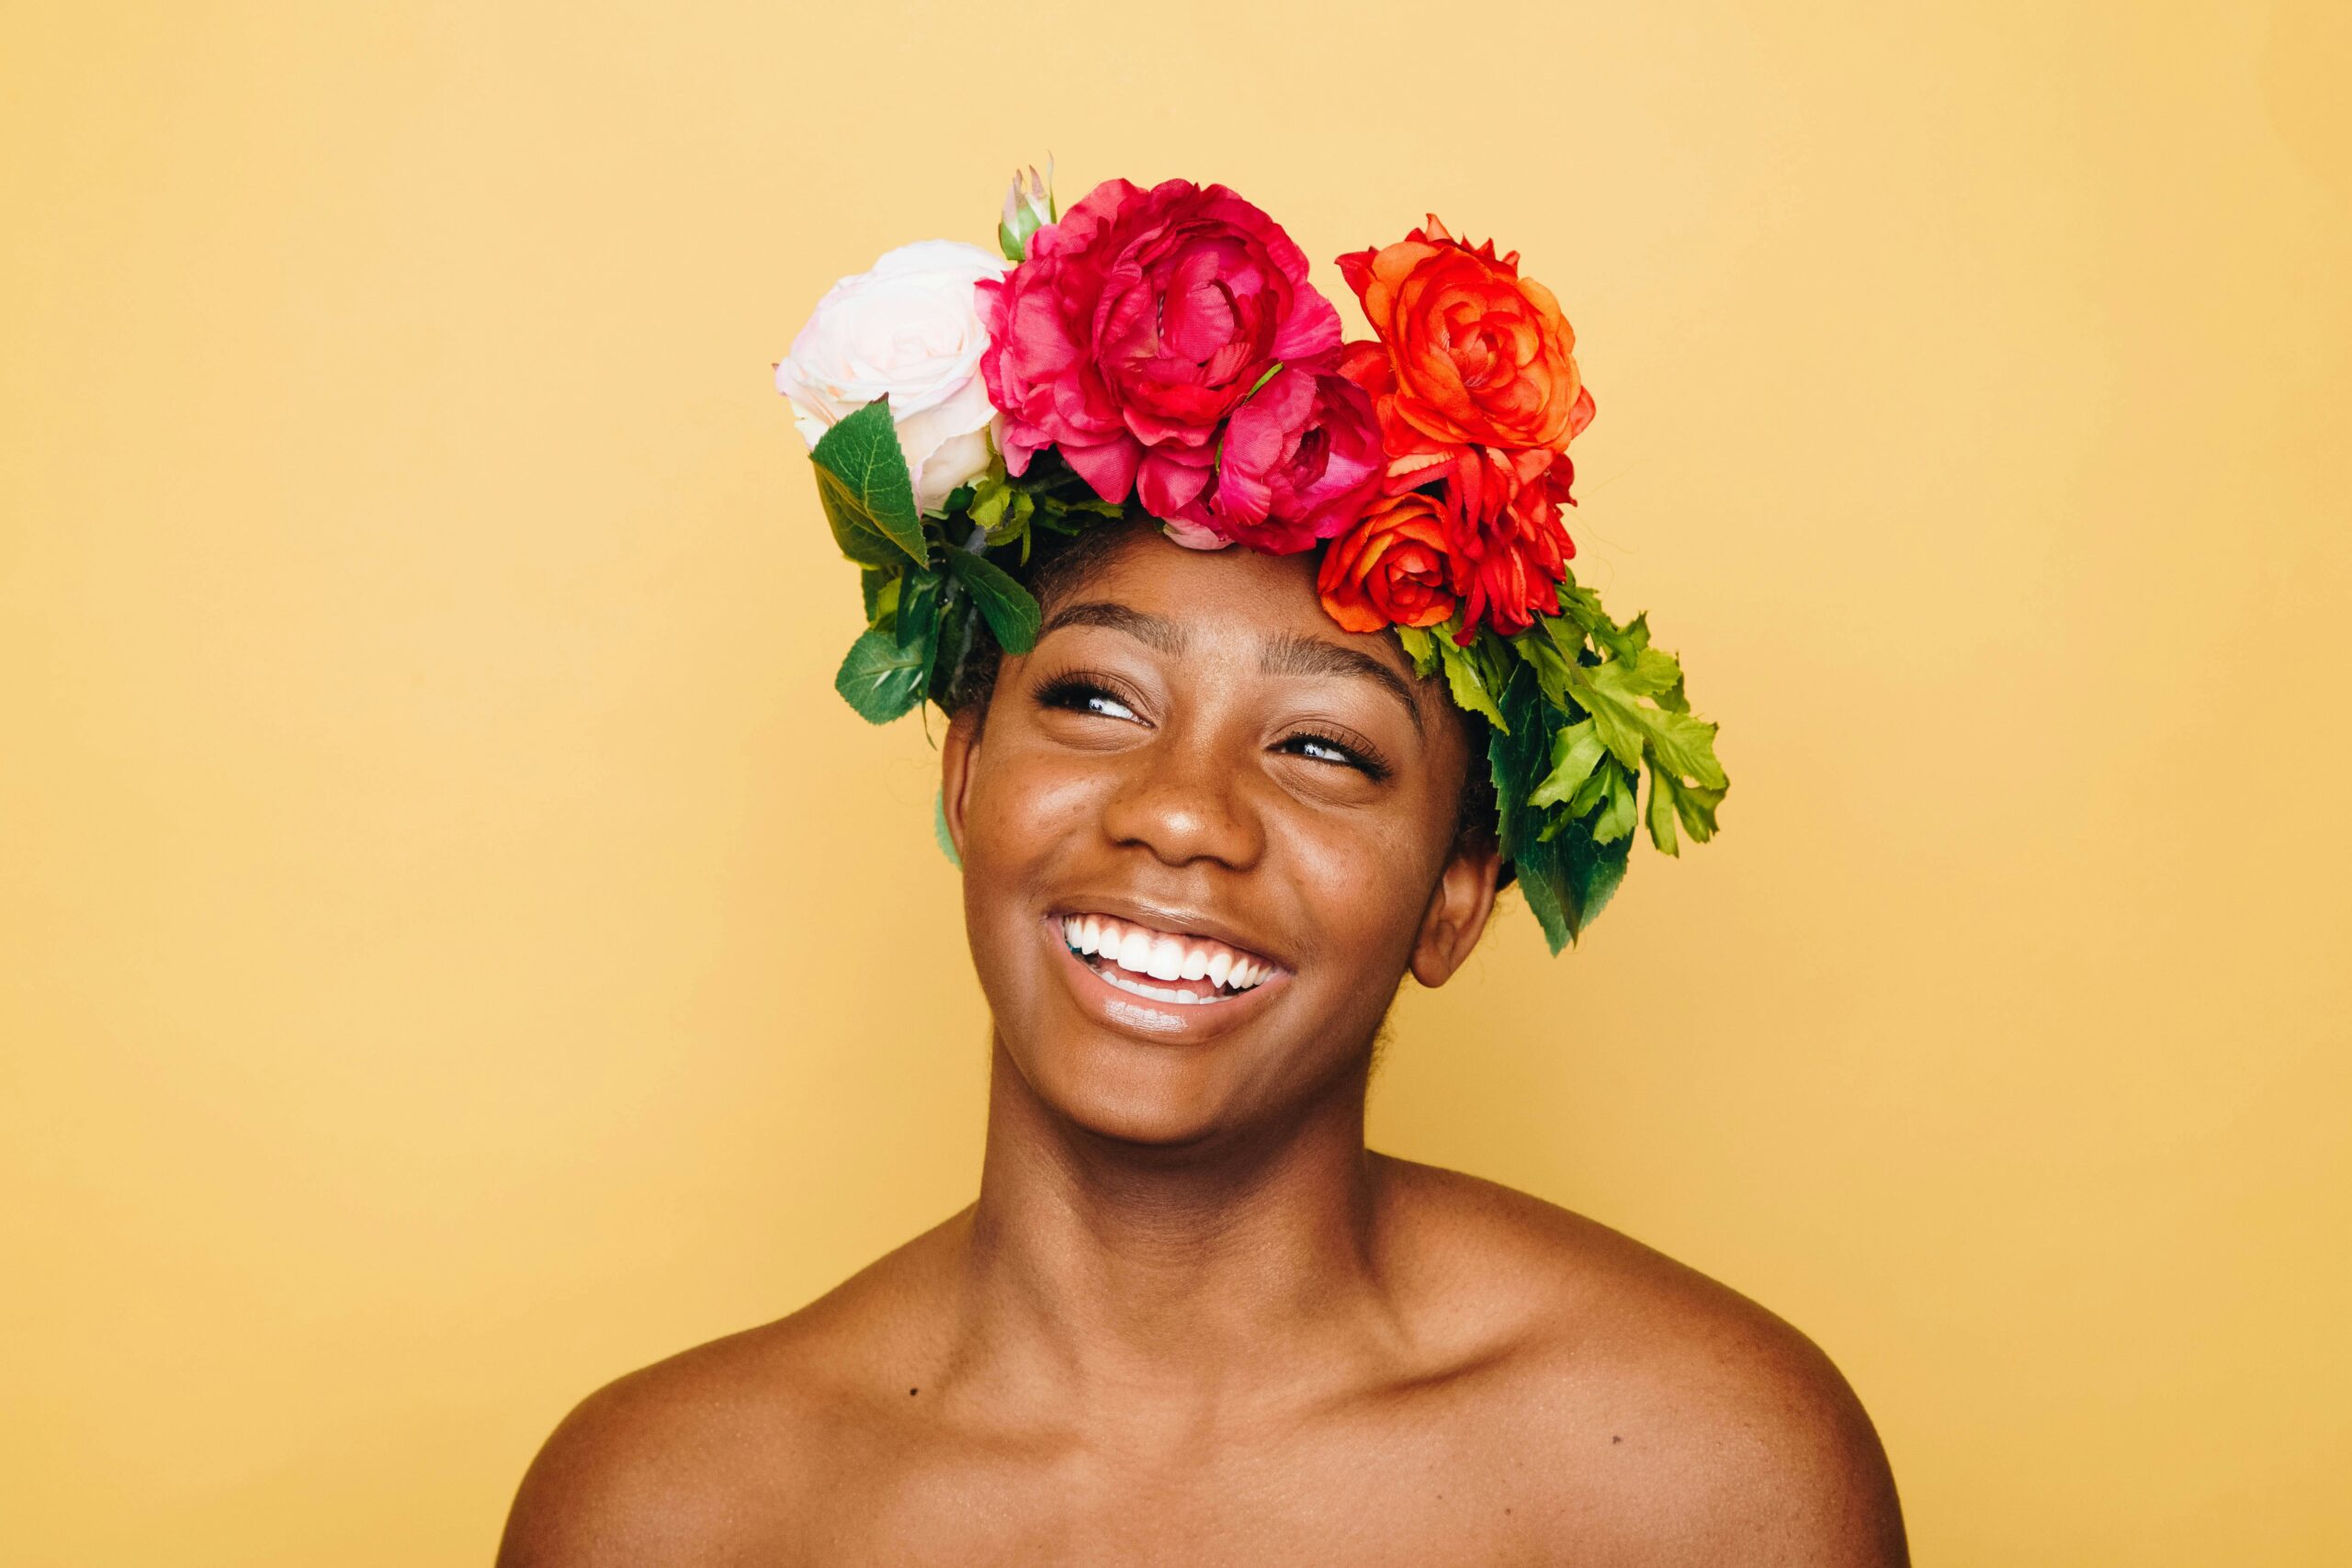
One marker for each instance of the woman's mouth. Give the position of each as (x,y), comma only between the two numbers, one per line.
(1164,966)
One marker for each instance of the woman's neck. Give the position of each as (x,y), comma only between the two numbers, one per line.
(1116,1271)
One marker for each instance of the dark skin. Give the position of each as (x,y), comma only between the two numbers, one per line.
(1191,1317)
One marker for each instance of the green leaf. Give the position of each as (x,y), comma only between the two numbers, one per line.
(1661,814)
(955,621)
(880,588)
(990,496)
(1617,814)
(1645,674)
(939,829)
(1567,878)
(1613,717)
(1695,804)
(1551,667)
(862,481)
(1421,647)
(1517,751)
(1011,612)
(921,594)
(1594,870)
(1590,793)
(1575,750)
(1547,895)
(881,679)
(1469,687)
(1684,746)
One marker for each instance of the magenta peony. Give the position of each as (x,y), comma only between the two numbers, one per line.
(1140,321)
(1298,463)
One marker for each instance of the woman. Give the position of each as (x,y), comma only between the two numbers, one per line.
(1207,828)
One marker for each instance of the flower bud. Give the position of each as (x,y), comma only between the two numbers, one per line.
(1027,209)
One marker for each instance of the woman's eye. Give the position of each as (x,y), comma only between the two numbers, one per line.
(1084,697)
(1104,702)
(1323,749)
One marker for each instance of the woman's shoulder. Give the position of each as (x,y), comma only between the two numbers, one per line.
(1658,1394)
(720,1450)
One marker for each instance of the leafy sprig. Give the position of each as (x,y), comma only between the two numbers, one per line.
(924,591)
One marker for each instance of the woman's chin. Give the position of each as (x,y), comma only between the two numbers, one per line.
(1144,1096)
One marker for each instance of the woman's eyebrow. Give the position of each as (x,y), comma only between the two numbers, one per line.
(1158,630)
(1294,653)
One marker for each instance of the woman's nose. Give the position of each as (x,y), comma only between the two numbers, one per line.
(1186,798)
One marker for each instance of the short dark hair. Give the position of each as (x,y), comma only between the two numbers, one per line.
(1059,563)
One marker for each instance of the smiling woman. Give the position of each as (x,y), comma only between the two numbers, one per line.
(1209,817)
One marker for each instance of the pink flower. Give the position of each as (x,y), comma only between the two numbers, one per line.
(1298,463)
(1137,324)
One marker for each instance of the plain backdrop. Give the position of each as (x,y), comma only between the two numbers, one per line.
(456,947)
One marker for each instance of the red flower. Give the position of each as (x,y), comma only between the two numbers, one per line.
(1395,568)
(1137,324)
(1511,549)
(1297,463)
(1482,355)
(1414,457)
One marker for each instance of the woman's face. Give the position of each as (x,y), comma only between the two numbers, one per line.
(1246,813)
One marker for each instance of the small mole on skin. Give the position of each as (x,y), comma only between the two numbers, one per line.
(911,1394)
(1614,1440)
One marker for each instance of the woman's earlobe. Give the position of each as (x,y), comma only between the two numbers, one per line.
(1457,913)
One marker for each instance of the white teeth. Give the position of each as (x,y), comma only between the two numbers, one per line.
(1157,993)
(1138,950)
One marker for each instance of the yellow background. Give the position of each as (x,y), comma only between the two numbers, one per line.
(455,946)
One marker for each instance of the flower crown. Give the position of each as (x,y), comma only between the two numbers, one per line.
(1162,351)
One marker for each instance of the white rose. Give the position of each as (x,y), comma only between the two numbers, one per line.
(910,328)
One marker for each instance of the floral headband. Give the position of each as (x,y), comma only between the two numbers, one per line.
(1162,351)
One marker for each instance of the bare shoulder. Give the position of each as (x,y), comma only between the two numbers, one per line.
(1640,1399)
(719,1453)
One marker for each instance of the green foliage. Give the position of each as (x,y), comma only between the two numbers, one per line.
(1421,648)
(881,678)
(1579,708)
(1468,677)
(1011,614)
(917,622)
(939,829)
(869,499)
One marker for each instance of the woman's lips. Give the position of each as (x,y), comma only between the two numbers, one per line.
(1131,996)
(1192,971)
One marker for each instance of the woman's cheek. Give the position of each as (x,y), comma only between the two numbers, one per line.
(1040,801)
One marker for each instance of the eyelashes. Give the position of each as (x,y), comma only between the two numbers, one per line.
(1088,693)
(1350,756)
(1083,693)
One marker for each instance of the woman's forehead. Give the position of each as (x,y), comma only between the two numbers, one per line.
(1189,601)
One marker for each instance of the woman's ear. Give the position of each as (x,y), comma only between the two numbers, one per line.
(1458,907)
(957,753)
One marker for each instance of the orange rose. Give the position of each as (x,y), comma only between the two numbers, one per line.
(1391,569)
(1481,356)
